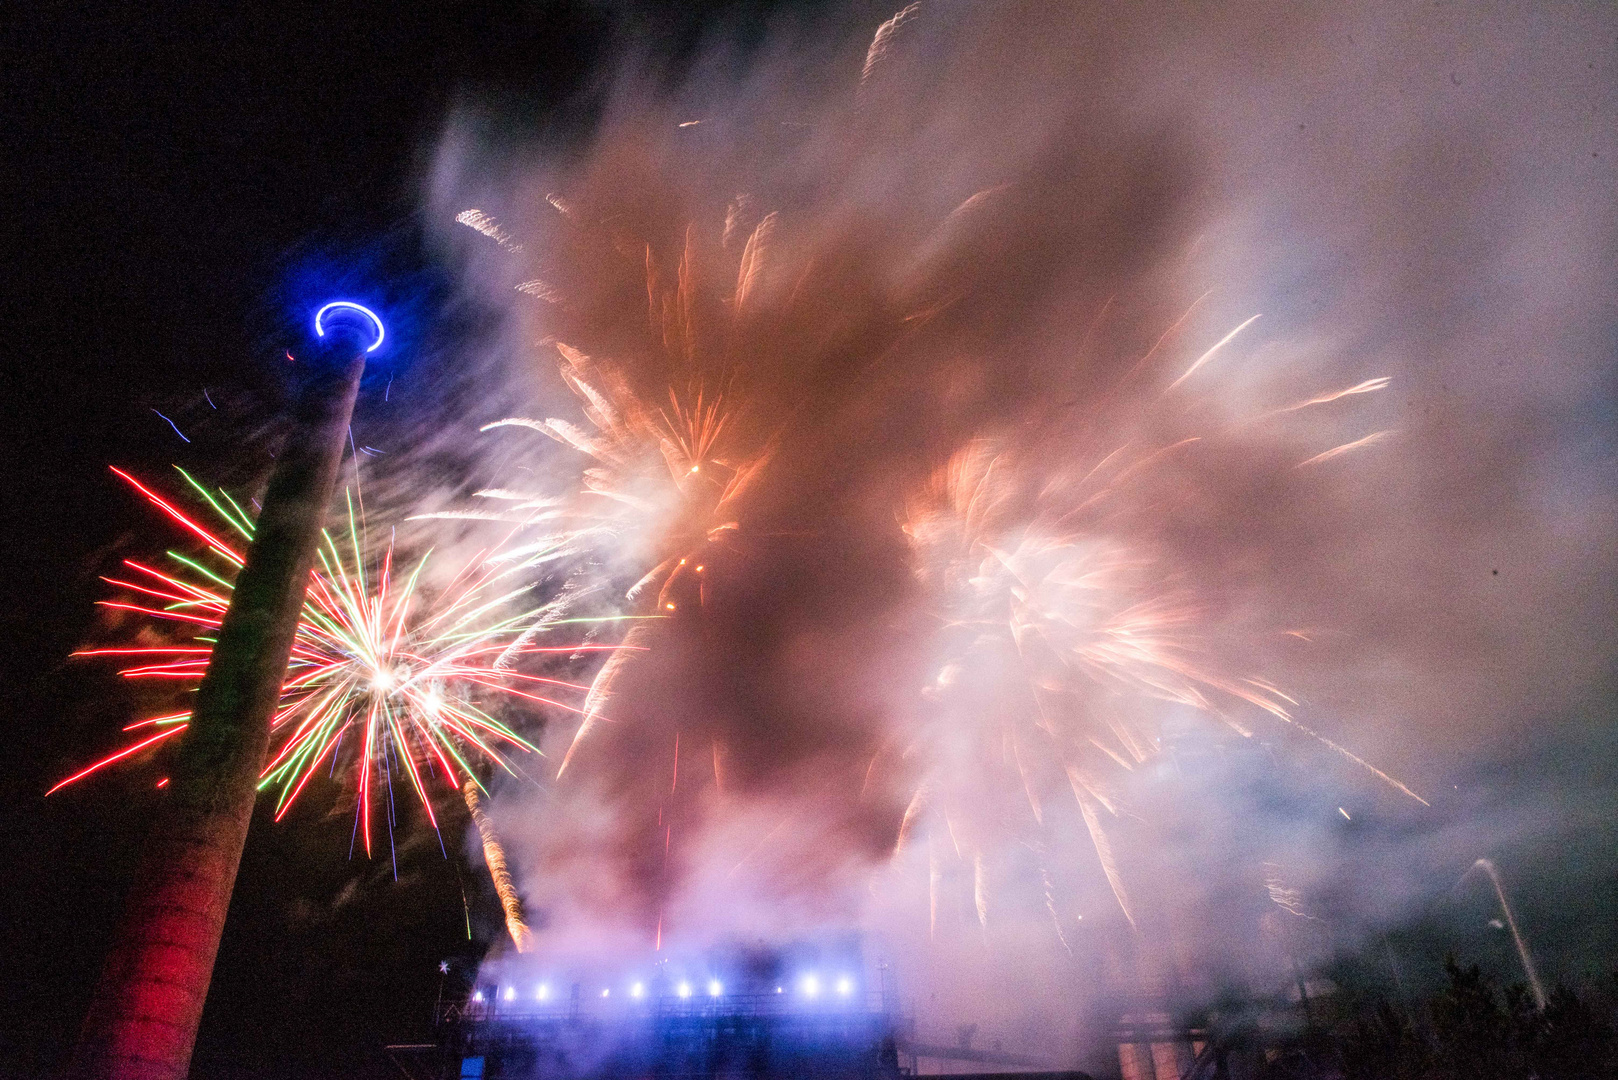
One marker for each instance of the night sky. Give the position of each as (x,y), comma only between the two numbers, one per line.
(171,173)
(178,184)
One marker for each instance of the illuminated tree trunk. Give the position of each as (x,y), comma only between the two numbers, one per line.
(495,855)
(142,1022)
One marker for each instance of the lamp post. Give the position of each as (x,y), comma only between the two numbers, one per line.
(142,1023)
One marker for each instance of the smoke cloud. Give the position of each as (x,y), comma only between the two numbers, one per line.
(937,281)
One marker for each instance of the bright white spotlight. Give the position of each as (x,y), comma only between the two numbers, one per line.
(511,993)
(684,989)
(477,995)
(811,985)
(606,992)
(714,989)
(845,986)
(637,990)
(778,990)
(543,992)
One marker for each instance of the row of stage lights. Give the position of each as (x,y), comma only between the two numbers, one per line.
(809,986)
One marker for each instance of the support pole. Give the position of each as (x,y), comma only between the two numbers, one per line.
(142,1023)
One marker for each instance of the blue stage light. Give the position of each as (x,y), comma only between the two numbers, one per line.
(684,989)
(714,988)
(845,986)
(811,985)
(349,305)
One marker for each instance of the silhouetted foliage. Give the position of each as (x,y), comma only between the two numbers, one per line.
(1383,1043)
(1472,1030)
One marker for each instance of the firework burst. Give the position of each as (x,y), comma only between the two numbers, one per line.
(398,682)
(1062,618)
(664,467)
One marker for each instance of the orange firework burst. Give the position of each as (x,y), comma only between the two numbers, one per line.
(675,432)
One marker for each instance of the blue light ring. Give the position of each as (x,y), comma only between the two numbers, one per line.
(349,305)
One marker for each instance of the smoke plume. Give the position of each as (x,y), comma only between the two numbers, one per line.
(1285,334)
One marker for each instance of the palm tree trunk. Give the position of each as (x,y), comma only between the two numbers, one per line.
(142,1022)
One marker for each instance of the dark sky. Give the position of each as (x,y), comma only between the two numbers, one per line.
(168,170)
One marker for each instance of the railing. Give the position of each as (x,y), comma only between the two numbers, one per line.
(487,1006)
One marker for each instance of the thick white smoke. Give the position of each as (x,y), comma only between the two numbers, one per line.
(982,226)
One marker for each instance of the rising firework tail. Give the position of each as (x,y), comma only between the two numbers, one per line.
(494,854)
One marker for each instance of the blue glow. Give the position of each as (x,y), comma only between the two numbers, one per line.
(684,990)
(811,985)
(542,992)
(349,305)
(845,986)
(714,988)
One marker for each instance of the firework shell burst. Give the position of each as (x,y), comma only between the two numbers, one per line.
(390,680)
(665,469)
(1061,618)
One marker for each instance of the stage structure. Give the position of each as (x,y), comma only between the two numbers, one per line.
(811,1011)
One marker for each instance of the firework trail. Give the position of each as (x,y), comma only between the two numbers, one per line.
(488,226)
(495,855)
(390,676)
(882,41)
(1534,983)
